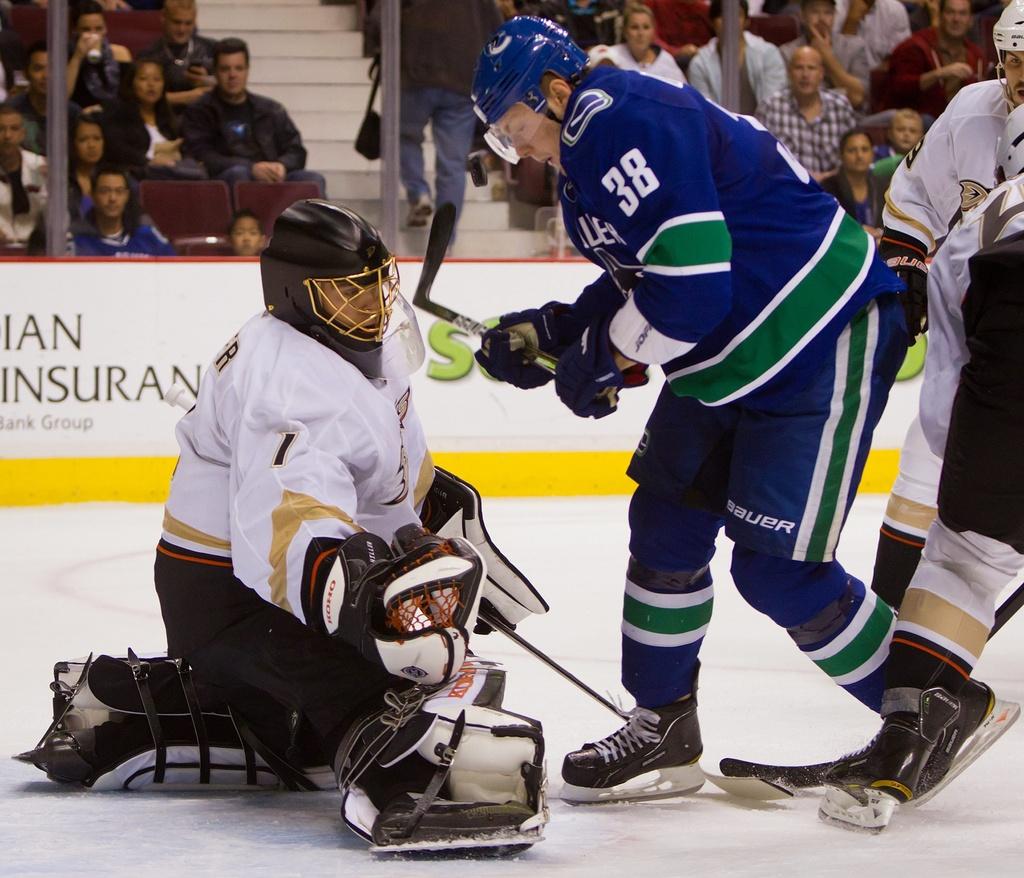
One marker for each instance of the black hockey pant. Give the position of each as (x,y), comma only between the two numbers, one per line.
(267,663)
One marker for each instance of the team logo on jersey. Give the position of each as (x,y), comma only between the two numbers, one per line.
(972,194)
(402,407)
(588,105)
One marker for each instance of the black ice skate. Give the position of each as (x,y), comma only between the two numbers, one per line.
(654,755)
(914,756)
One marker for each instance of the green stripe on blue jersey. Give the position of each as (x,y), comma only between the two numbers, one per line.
(690,242)
(787,323)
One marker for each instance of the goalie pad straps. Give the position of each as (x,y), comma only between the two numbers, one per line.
(445,755)
(192,700)
(140,673)
(291,778)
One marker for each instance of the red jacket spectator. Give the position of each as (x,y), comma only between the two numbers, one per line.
(919,55)
(680,24)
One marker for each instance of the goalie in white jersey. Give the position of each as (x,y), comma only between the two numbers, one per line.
(296,580)
(947,174)
(972,417)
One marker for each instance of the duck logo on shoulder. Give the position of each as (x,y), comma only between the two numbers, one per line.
(588,105)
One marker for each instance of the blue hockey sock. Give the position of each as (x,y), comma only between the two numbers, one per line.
(664,619)
(833,619)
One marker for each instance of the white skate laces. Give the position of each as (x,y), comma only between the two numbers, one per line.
(641,728)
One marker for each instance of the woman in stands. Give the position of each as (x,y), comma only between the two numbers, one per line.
(85,152)
(853,185)
(141,129)
(96,64)
(639,52)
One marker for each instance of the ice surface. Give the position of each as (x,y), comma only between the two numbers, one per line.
(78,578)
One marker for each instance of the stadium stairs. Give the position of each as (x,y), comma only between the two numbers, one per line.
(309,57)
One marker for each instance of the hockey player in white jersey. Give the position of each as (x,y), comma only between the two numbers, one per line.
(972,417)
(948,173)
(296,580)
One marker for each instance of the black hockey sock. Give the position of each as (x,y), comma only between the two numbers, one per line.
(895,562)
(917,663)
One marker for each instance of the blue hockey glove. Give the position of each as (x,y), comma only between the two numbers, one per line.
(587,379)
(548,328)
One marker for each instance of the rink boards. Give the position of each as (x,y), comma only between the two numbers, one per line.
(88,348)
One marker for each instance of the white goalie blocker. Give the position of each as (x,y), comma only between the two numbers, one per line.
(487,758)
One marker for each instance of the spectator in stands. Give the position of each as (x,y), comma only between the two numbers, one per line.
(762,70)
(589,22)
(141,131)
(930,67)
(853,185)
(22,180)
(882,24)
(906,128)
(94,70)
(114,226)
(845,56)
(246,234)
(639,52)
(85,153)
(807,117)
(10,60)
(187,57)
(439,54)
(683,26)
(32,103)
(238,135)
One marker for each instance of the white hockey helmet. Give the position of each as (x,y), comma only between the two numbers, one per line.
(1008,36)
(1010,149)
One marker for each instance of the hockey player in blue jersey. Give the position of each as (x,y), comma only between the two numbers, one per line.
(779,331)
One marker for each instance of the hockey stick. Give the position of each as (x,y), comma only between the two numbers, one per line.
(496,622)
(437,246)
(744,787)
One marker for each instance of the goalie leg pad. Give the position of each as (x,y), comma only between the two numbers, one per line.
(126,723)
(490,763)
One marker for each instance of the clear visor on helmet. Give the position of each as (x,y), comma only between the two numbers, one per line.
(369,309)
(513,131)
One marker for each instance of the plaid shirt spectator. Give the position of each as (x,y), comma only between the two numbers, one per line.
(813,143)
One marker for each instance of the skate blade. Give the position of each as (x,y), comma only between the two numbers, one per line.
(491,845)
(1004,714)
(749,788)
(662,783)
(846,811)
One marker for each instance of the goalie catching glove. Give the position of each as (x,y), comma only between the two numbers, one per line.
(408,607)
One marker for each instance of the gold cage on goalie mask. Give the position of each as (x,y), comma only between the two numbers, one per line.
(356,306)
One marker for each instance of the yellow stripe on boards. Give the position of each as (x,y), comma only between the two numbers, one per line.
(35,482)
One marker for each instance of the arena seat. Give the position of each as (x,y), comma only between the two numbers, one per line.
(136,29)
(878,133)
(777,29)
(269,200)
(187,209)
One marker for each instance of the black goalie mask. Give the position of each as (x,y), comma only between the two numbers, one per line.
(327,273)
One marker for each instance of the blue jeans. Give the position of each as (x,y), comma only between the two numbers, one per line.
(243,172)
(453,122)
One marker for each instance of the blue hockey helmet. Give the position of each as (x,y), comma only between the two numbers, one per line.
(514,62)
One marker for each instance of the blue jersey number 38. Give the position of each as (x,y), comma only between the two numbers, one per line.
(634,181)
